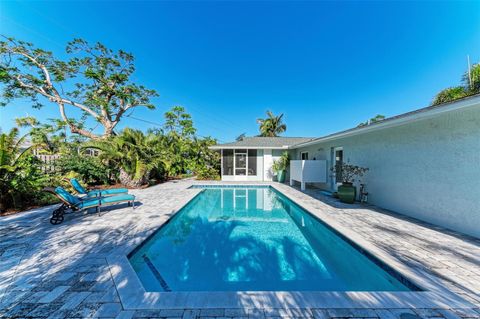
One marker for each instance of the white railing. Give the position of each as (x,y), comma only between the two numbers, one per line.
(308,172)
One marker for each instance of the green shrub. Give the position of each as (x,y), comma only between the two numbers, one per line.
(88,169)
(20,176)
(207,173)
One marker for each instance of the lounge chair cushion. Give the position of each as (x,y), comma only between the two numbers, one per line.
(96,193)
(107,192)
(78,187)
(72,200)
(99,201)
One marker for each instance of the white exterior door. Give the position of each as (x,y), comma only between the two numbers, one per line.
(337,160)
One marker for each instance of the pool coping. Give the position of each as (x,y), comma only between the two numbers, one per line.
(133,295)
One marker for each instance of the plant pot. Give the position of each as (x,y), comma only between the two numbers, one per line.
(346,193)
(281,176)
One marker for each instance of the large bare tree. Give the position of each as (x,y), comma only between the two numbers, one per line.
(94,79)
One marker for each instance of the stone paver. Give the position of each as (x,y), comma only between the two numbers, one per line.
(61,271)
(108,310)
(54,294)
(452,258)
(126,314)
(74,299)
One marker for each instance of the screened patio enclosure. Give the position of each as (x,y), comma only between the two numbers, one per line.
(251,158)
(241,164)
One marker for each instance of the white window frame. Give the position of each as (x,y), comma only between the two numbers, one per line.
(301,156)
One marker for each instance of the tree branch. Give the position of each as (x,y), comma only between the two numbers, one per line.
(73,127)
(37,89)
(81,106)
(38,64)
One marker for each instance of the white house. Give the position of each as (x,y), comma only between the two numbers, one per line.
(251,158)
(424,163)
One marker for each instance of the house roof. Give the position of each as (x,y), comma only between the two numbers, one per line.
(264,142)
(409,117)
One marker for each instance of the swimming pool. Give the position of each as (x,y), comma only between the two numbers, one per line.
(255,239)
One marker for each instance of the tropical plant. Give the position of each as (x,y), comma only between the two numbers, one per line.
(207,173)
(132,152)
(179,123)
(472,79)
(182,151)
(377,118)
(205,163)
(282,163)
(48,137)
(349,173)
(19,174)
(449,94)
(90,169)
(272,126)
(178,141)
(95,80)
(470,86)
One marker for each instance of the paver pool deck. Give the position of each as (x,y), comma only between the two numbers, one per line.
(66,271)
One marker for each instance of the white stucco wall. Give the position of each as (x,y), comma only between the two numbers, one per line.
(429,169)
(267,165)
(269,157)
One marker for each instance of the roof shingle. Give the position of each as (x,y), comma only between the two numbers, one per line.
(264,142)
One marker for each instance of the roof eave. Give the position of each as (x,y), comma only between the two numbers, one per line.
(434,112)
(220,147)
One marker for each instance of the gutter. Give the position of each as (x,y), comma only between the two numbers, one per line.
(410,117)
(220,147)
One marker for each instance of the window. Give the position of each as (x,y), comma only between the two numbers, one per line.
(227,162)
(304,156)
(240,162)
(252,162)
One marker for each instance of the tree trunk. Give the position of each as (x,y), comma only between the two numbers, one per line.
(131,182)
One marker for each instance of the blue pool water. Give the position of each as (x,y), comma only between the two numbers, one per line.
(253,239)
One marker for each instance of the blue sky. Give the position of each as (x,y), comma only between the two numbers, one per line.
(326,65)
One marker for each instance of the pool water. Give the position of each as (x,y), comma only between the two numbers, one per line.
(253,239)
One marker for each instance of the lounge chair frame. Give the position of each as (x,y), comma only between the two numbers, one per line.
(59,212)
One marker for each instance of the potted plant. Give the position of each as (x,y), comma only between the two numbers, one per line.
(279,167)
(348,173)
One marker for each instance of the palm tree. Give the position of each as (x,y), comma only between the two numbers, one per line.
(132,152)
(11,155)
(271,126)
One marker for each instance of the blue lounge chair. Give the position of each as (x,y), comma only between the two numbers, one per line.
(79,204)
(98,192)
